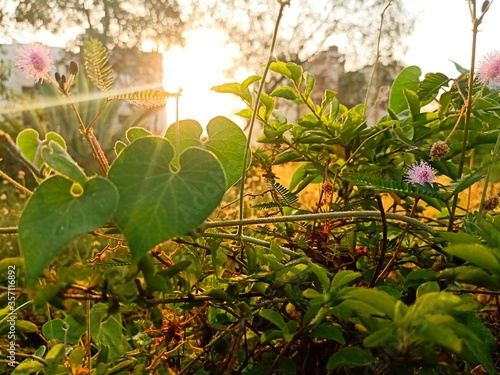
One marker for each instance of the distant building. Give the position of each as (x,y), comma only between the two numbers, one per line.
(138,69)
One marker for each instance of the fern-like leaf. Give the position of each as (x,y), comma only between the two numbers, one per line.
(145,98)
(395,186)
(266,205)
(289,197)
(95,61)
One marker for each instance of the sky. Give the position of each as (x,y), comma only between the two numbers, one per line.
(442,33)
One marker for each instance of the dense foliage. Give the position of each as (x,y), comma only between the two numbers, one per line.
(146,267)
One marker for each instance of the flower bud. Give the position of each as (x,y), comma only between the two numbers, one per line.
(57,76)
(439,149)
(73,67)
(484,7)
(491,203)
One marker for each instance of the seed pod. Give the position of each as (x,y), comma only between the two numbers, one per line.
(484,7)
(73,67)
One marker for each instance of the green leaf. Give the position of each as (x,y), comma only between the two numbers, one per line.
(352,356)
(54,216)
(225,139)
(322,276)
(310,83)
(136,132)
(484,348)
(55,354)
(66,331)
(329,332)
(376,298)
(428,287)
(275,318)
(247,82)
(470,275)
(29,144)
(430,86)
(441,335)
(459,238)
(478,255)
(58,159)
(119,147)
(219,259)
(413,101)
(490,231)
(285,92)
(380,338)
(157,203)
(465,182)
(281,68)
(287,156)
(110,334)
(175,269)
(95,61)
(235,89)
(459,68)
(342,278)
(28,367)
(407,79)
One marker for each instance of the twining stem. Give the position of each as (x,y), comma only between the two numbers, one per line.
(468,109)
(320,216)
(391,262)
(375,64)
(282,3)
(382,245)
(304,217)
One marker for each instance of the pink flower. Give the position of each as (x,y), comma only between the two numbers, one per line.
(420,174)
(488,71)
(34,60)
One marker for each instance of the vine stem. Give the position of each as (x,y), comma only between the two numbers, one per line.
(375,64)
(319,216)
(291,218)
(475,25)
(282,3)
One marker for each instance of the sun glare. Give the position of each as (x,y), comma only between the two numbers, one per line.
(194,69)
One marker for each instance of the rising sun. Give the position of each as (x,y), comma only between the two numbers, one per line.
(194,69)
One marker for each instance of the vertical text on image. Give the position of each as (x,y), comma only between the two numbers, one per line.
(11,301)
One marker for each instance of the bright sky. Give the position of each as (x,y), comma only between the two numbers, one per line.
(442,33)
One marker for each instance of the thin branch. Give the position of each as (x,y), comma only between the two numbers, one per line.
(270,59)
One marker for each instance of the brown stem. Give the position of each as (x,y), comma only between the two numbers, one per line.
(383,245)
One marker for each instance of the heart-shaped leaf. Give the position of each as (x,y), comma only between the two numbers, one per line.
(58,159)
(225,139)
(158,203)
(55,215)
(29,143)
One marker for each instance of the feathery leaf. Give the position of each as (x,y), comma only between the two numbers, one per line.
(95,61)
(145,98)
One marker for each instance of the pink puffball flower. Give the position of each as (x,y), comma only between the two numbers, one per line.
(488,71)
(420,173)
(34,60)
